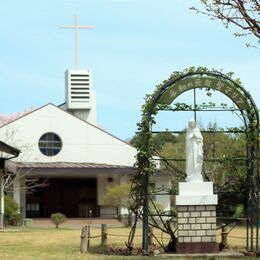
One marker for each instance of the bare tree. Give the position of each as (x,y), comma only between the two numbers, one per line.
(243,13)
(31,183)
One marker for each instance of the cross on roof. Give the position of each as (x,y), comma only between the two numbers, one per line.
(76,27)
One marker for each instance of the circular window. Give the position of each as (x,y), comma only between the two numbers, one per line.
(50,144)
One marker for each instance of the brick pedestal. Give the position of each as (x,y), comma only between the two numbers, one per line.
(196,209)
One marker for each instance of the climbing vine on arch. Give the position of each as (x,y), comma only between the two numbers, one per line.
(161,99)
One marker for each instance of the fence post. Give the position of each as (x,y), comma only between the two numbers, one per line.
(224,235)
(88,236)
(103,234)
(85,239)
(150,236)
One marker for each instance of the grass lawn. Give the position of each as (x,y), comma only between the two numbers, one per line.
(64,243)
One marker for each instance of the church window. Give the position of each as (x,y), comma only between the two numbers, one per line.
(50,144)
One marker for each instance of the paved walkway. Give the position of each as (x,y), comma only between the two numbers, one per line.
(76,222)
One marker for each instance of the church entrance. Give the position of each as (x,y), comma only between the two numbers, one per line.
(71,197)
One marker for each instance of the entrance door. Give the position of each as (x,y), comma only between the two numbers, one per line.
(72,197)
(87,199)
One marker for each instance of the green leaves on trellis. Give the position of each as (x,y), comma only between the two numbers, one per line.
(145,163)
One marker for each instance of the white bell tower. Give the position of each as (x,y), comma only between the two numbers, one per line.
(79,95)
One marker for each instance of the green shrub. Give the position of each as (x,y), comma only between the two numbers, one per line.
(12,215)
(58,218)
(239,211)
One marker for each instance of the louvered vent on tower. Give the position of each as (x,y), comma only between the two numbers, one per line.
(78,89)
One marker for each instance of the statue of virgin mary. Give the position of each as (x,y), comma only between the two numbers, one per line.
(194,153)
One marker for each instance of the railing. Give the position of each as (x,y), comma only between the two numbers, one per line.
(225,236)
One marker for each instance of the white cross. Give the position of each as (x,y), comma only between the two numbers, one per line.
(76,27)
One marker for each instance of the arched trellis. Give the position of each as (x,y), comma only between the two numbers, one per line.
(165,94)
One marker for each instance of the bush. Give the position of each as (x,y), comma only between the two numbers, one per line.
(12,215)
(58,218)
(239,211)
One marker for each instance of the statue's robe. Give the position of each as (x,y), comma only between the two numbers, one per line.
(194,154)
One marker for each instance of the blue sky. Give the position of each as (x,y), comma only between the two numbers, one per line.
(135,45)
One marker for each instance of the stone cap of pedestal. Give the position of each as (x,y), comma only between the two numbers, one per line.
(195,188)
(182,200)
(196,193)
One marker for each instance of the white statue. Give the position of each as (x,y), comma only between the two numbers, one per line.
(194,153)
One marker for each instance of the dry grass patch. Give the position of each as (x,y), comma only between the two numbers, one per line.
(55,243)
(236,238)
(63,243)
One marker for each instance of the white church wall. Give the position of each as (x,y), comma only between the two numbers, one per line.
(81,142)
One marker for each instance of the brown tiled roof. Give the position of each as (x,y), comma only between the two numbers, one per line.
(62,165)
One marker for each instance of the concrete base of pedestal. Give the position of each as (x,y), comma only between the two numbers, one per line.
(195,248)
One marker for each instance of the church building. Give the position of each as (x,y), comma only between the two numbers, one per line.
(63,147)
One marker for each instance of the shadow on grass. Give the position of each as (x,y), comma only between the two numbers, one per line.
(113,250)
(97,249)
(118,252)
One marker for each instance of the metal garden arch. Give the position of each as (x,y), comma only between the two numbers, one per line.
(164,95)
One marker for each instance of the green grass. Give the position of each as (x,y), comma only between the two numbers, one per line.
(51,244)
(64,243)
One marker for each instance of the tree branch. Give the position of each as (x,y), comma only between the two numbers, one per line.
(242,13)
